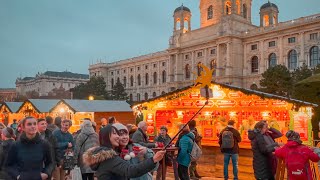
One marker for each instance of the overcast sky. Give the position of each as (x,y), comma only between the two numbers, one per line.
(59,35)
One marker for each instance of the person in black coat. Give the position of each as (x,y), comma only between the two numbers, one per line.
(109,165)
(8,137)
(30,157)
(262,149)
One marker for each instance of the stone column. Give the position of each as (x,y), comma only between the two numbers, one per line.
(245,63)
(192,64)
(218,61)
(261,59)
(280,59)
(228,68)
(302,58)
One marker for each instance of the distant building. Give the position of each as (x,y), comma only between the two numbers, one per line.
(7,94)
(226,41)
(46,84)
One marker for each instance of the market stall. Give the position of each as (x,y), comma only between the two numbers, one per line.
(38,108)
(8,112)
(77,110)
(244,106)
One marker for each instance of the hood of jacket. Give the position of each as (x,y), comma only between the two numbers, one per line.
(191,135)
(292,144)
(95,155)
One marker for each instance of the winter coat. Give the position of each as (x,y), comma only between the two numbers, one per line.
(29,158)
(236,138)
(185,147)
(52,127)
(141,138)
(54,146)
(261,155)
(63,139)
(87,138)
(110,166)
(4,151)
(164,140)
(294,146)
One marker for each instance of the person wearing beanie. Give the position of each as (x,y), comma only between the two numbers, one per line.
(297,156)
(8,136)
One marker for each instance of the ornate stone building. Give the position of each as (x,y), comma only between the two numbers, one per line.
(44,83)
(227,41)
(7,94)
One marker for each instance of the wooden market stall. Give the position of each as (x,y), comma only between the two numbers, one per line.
(77,110)
(8,112)
(38,108)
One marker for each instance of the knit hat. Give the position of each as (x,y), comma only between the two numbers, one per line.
(8,132)
(120,127)
(293,136)
(164,128)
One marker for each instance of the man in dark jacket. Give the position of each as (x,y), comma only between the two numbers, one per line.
(229,139)
(141,137)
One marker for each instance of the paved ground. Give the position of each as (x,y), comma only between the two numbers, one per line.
(170,176)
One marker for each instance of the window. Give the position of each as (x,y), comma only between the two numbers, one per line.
(154,65)
(139,80)
(154,94)
(112,73)
(187,71)
(147,78)
(228,7)
(112,83)
(245,11)
(146,67)
(164,75)
(124,71)
(210,13)
(314,36)
(199,69)
(138,97)
(155,78)
(145,96)
(130,97)
(254,47)
(199,54)
(131,80)
(138,68)
(53,84)
(254,87)
(314,56)
(254,64)
(292,59)
(124,81)
(292,40)
(186,56)
(118,80)
(117,72)
(272,43)
(163,63)
(131,69)
(95,74)
(213,51)
(272,60)
(213,65)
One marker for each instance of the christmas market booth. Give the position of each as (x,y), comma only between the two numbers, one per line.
(77,110)
(38,108)
(8,112)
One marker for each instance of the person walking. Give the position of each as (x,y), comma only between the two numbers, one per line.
(109,165)
(65,141)
(141,137)
(185,147)
(30,157)
(193,167)
(165,139)
(229,140)
(8,137)
(262,152)
(87,138)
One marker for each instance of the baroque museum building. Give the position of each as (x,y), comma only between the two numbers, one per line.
(226,41)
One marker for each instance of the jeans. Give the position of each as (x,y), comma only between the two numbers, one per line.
(183,172)
(234,158)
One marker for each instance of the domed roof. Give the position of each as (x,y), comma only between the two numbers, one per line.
(181,8)
(268,5)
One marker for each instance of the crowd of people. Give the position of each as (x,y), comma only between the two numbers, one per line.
(43,149)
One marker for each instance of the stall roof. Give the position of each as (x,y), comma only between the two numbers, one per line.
(243,90)
(13,106)
(97,105)
(42,105)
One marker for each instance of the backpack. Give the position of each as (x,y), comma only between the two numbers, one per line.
(297,163)
(196,152)
(227,140)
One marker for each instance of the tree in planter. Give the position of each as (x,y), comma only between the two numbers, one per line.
(118,92)
(276,80)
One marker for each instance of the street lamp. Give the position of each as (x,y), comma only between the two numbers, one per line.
(91,98)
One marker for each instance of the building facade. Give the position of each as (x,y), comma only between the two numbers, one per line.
(7,94)
(44,83)
(226,41)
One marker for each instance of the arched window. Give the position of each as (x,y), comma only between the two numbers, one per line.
(162,93)
(272,60)
(147,78)
(131,81)
(210,13)
(145,96)
(199,69)
(138,97)
(130,97)
(139,80)
(228,7)
(178,24)
(118,80)
(213,65)
(164,76)
(292,59)
(314,56)
(154,94)
(254,87)
(124,81)
(254,64)
(188,71)
(155,78)
(112,83)
(266,20)
(245,11)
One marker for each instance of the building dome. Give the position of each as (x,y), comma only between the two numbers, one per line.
(268,5)
(182,8)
